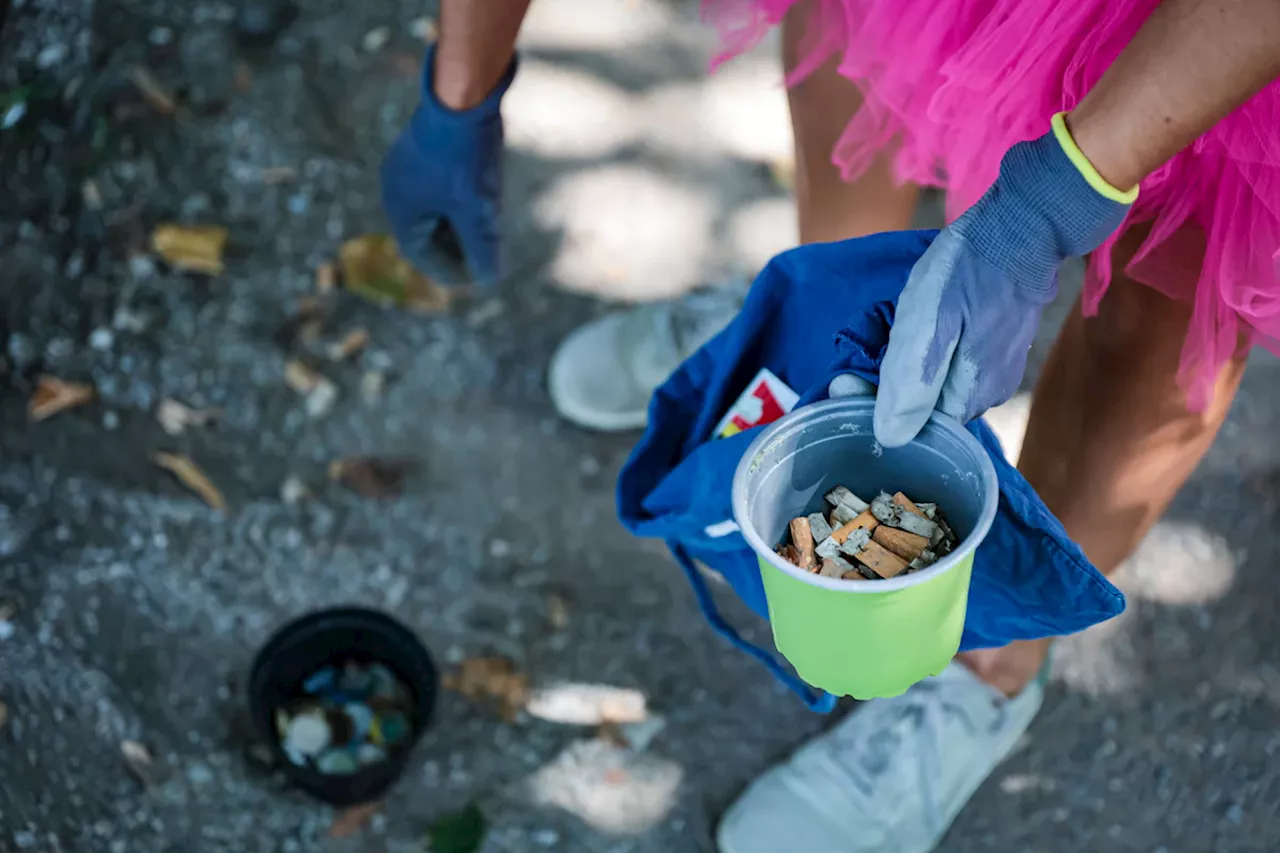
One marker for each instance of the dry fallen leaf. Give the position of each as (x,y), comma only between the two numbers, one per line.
(53,395)
(175,417)
(352,342)
(491,678)
(192,248)
(139,760)
(302,378)
(373,269)
(192,477)
(371,476)
(351,820)
(155,93)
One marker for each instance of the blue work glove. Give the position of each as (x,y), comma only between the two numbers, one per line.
(968,314)
(442,186)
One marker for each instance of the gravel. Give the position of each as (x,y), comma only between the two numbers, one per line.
(136,609)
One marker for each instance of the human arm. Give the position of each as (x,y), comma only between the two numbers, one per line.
(968,315)
(1193,62)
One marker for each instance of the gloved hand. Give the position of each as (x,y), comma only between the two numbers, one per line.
(967,316)
(442,186)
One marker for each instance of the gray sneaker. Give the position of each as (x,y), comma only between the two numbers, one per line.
(604,373)
(888,778)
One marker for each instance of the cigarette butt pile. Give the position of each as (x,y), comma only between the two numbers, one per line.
(858,541)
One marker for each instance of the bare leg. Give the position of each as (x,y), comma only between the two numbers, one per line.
(477,42)
(830,208)
(1110,440)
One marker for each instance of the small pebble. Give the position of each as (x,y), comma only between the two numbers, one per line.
(199,774)
(51,56)
(321,400)
(101,339)
(545,837)
(376,39)
(13,115)
(293,490)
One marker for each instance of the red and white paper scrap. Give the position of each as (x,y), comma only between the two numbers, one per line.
(765,400)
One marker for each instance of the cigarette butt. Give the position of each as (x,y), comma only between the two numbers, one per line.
(905,502)
(788,553)
(927,558)
(885,510)
(802,540)
(857,540)
(818,527)
(916,524)
(843,514)
(840,495)
(884,563)
(836,567)
(906,545)
(853,575)
(827,548)
(865,521)
(930,510)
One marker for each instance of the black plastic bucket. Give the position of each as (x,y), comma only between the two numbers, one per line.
(331,637)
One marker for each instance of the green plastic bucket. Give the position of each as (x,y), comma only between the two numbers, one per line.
(872,638)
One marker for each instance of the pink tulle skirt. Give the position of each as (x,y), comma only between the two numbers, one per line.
(950,85)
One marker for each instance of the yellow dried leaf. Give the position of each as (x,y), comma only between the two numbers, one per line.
(53,395)
(301,378)
(155,93)
(190,475)
(373,268)
(491,678)
(192,248)
(352,342)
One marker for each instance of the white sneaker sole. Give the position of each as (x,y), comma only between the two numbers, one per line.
(586,416)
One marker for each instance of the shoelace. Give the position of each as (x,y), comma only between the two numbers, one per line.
(923,709)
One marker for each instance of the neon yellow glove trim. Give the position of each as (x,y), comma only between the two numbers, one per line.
(1081,162)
